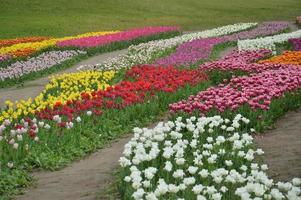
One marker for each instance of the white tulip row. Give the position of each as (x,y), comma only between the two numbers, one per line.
(145,52)
(267,42)
(198,158)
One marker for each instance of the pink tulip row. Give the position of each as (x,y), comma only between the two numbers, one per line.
(130,34)
(256,90)
(243,61)
(190,52)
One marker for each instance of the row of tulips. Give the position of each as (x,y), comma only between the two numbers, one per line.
(141,82)
(147,52)
(43,61)
(269,42)
(9,42)
(61,88)
(256,91)
(130,34)
(242,61)
(198,158)
(288,57)
(296,42)
(26,48)
(191,52)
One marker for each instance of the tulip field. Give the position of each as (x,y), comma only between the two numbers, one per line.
(213,106)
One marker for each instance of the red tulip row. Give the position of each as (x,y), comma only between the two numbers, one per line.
(140,83)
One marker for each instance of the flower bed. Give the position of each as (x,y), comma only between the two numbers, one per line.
(242,61)
(296,42)
(44,61)
(9,42)
(24,49)
(267,42)
(196,50)
(61,88)
(130,34)
(198,158)
(288,57)
(148,80)
(256,91)
(147,52)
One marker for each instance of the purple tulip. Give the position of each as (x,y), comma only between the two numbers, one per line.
(191,52)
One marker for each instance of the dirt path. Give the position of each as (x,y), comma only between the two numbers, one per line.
(33,88)
(82,180)
(282,147)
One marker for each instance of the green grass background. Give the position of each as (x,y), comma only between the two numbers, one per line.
(68,17)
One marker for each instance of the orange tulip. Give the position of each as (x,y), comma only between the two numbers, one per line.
(288,57)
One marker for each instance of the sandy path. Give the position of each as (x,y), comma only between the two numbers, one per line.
(33,88)
(83,179)
(282,147)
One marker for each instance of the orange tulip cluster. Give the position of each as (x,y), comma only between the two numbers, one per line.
(288,57)
(9,42)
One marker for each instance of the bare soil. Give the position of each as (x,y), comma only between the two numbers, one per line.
(282,147)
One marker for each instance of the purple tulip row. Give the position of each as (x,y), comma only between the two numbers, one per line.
(196,50)
(296,42)
(44,61)
(256,90)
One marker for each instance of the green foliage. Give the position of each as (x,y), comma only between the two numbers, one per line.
(62,17)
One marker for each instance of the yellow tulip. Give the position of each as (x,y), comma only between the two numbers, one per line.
(61,88)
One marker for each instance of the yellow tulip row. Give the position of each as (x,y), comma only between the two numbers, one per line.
(24,49)
(61,88)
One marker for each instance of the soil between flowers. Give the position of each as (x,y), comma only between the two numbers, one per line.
(282,147)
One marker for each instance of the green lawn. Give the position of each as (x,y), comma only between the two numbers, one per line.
(67,17)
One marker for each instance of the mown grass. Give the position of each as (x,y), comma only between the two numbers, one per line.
(62,17)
